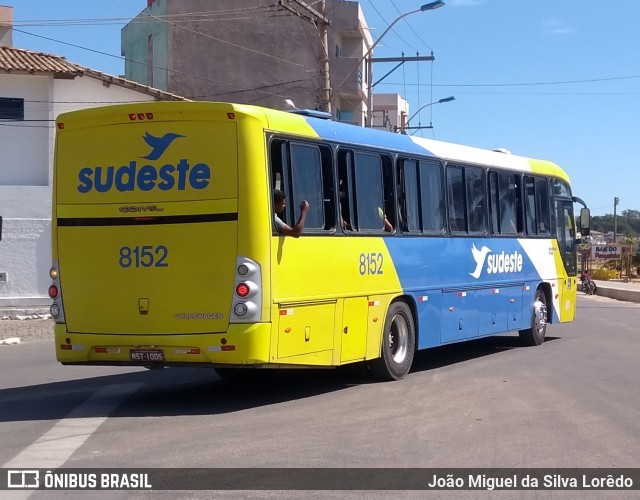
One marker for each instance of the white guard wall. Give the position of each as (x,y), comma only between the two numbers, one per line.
(26,173)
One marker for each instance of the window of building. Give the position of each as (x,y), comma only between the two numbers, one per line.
(11,108)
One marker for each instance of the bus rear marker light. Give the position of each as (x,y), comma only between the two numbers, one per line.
(107,350)
(69,347)
(423,298)
(195,350)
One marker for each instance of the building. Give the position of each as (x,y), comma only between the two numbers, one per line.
(34,89)
(390,112)
(255,52)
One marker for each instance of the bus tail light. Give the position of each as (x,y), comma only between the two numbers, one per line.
(55,292)
(242,290)
(247,298)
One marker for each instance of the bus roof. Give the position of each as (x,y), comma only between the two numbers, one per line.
(283,121)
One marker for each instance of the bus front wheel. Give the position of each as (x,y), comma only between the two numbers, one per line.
(398,344)
(535,335)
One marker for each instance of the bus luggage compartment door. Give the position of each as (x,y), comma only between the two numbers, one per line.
(305,329)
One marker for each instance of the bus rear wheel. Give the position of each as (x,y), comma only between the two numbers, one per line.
(535,335)
(398,344)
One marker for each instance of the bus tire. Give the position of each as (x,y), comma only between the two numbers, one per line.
(398,344)
(535,335)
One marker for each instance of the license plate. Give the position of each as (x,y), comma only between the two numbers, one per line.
(146,355)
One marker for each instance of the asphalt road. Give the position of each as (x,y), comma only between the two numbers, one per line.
(572,402)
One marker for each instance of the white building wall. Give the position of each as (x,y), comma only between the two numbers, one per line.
(26,162)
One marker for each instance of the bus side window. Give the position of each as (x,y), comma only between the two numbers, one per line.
(530,205)
(476,196)
(431,197)
(278,162)
(408,197)
(494,204)
(364,198)
(456,195)
(508,203)
(543,203)
(345,187)
(304,171)
(369,192)
(389,207)
(309,182)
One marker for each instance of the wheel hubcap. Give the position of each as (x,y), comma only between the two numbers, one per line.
(540,316)
(399,339)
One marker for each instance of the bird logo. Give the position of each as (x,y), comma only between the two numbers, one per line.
(159,144)
(479,256)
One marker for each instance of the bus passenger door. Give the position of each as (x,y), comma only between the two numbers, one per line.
(566,234)
(354,329)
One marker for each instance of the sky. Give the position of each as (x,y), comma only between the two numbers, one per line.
(551,79)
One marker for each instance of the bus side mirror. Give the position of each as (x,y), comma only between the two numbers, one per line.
(585,221)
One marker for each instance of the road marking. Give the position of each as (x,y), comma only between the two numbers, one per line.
(53,448)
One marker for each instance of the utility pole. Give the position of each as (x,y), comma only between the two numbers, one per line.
(370,61)
(313,16)
(616,200)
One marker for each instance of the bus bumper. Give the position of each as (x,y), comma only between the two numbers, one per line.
(240,345)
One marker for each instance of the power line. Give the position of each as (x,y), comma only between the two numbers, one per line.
(531,84)
(141,19)
(411,27)
(137,62)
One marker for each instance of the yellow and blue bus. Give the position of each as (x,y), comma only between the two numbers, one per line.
(166,251)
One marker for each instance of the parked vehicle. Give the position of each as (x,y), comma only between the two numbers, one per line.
(588,285)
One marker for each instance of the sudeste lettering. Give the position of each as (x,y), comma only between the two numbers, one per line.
(145,178)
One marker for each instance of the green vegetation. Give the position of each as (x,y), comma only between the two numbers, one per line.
(628,223)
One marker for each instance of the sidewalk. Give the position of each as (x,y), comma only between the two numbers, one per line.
(25,324)
(629,292)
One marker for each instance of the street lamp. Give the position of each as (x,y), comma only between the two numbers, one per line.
(423,8)
(406,127)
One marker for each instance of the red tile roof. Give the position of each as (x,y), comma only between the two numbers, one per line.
(13,60)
